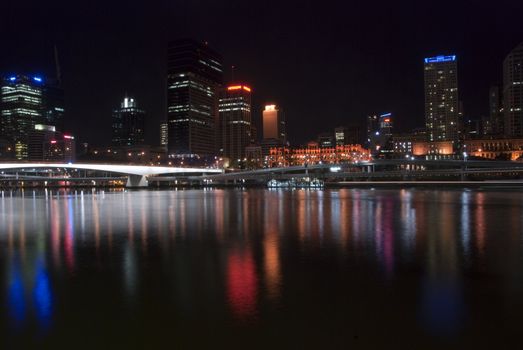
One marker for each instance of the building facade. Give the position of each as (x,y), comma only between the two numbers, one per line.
(314,154)
(350,135)
(235,122)
(513,92)
(22,107)
(194,77)
(379,133)
(496,148)
(495,122)
(442,117)
(274,128)
(26,101)
(128,124)
(45,143)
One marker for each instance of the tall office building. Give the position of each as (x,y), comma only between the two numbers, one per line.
(54,106)
(274,128)
(22,106)
(47,144)
(194,76)
(513,92)
(379,132)
(495,124)
(235,122)
(274,124)
(128,124)
(442,116)
(352,134)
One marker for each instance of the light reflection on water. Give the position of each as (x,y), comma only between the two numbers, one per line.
(254,257)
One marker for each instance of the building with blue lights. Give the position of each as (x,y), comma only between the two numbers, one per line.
(442,115)
(22,107)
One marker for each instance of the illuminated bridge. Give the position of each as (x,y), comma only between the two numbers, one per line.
(133,175)
(380,170)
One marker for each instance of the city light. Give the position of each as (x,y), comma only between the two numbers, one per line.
(239,87)
(440,59)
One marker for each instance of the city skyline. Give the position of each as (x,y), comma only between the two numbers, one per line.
(292,60)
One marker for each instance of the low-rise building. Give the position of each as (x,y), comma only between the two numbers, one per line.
(314,154)
(501,149)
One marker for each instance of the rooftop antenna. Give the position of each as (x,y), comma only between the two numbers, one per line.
(232,73)
(57,66)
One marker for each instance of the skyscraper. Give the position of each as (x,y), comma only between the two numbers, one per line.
(513,92)
(54,106)
(22,107)
(194,76)
(128,124)
(274,128)
(495,125)
(352,134)
(274,124)
(47,144)
(442,116)
(235,122)
(379,132)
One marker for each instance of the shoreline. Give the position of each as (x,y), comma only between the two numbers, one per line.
(328,185)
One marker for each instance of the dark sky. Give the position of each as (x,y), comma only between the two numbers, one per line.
(326,62)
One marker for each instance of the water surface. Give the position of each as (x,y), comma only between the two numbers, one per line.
(331,269)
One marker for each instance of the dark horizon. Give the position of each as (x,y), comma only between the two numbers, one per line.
(325,66)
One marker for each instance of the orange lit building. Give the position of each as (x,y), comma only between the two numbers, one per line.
(273,128)
(440,149)
(504,149)
(313,154)
(235,122)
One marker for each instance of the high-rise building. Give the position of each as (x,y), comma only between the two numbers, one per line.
(128,124)
(442,117)
(194,76)
(47,144)
(379,132)
(274,128)
(164,134)
(22,106)
(235,122)
(513,92)
(54,106)
(352,134)
(495,123)
(326,139)
(274,124)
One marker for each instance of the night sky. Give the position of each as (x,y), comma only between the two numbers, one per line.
(327,63)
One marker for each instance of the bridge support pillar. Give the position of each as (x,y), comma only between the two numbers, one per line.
(137,181)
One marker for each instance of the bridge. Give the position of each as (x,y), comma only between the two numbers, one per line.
(376,170)
(346,173)
(134,175)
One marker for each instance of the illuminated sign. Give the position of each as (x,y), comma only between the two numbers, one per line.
(270,107)
(386,115)
(239,87)
(37,79)
(440,59)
